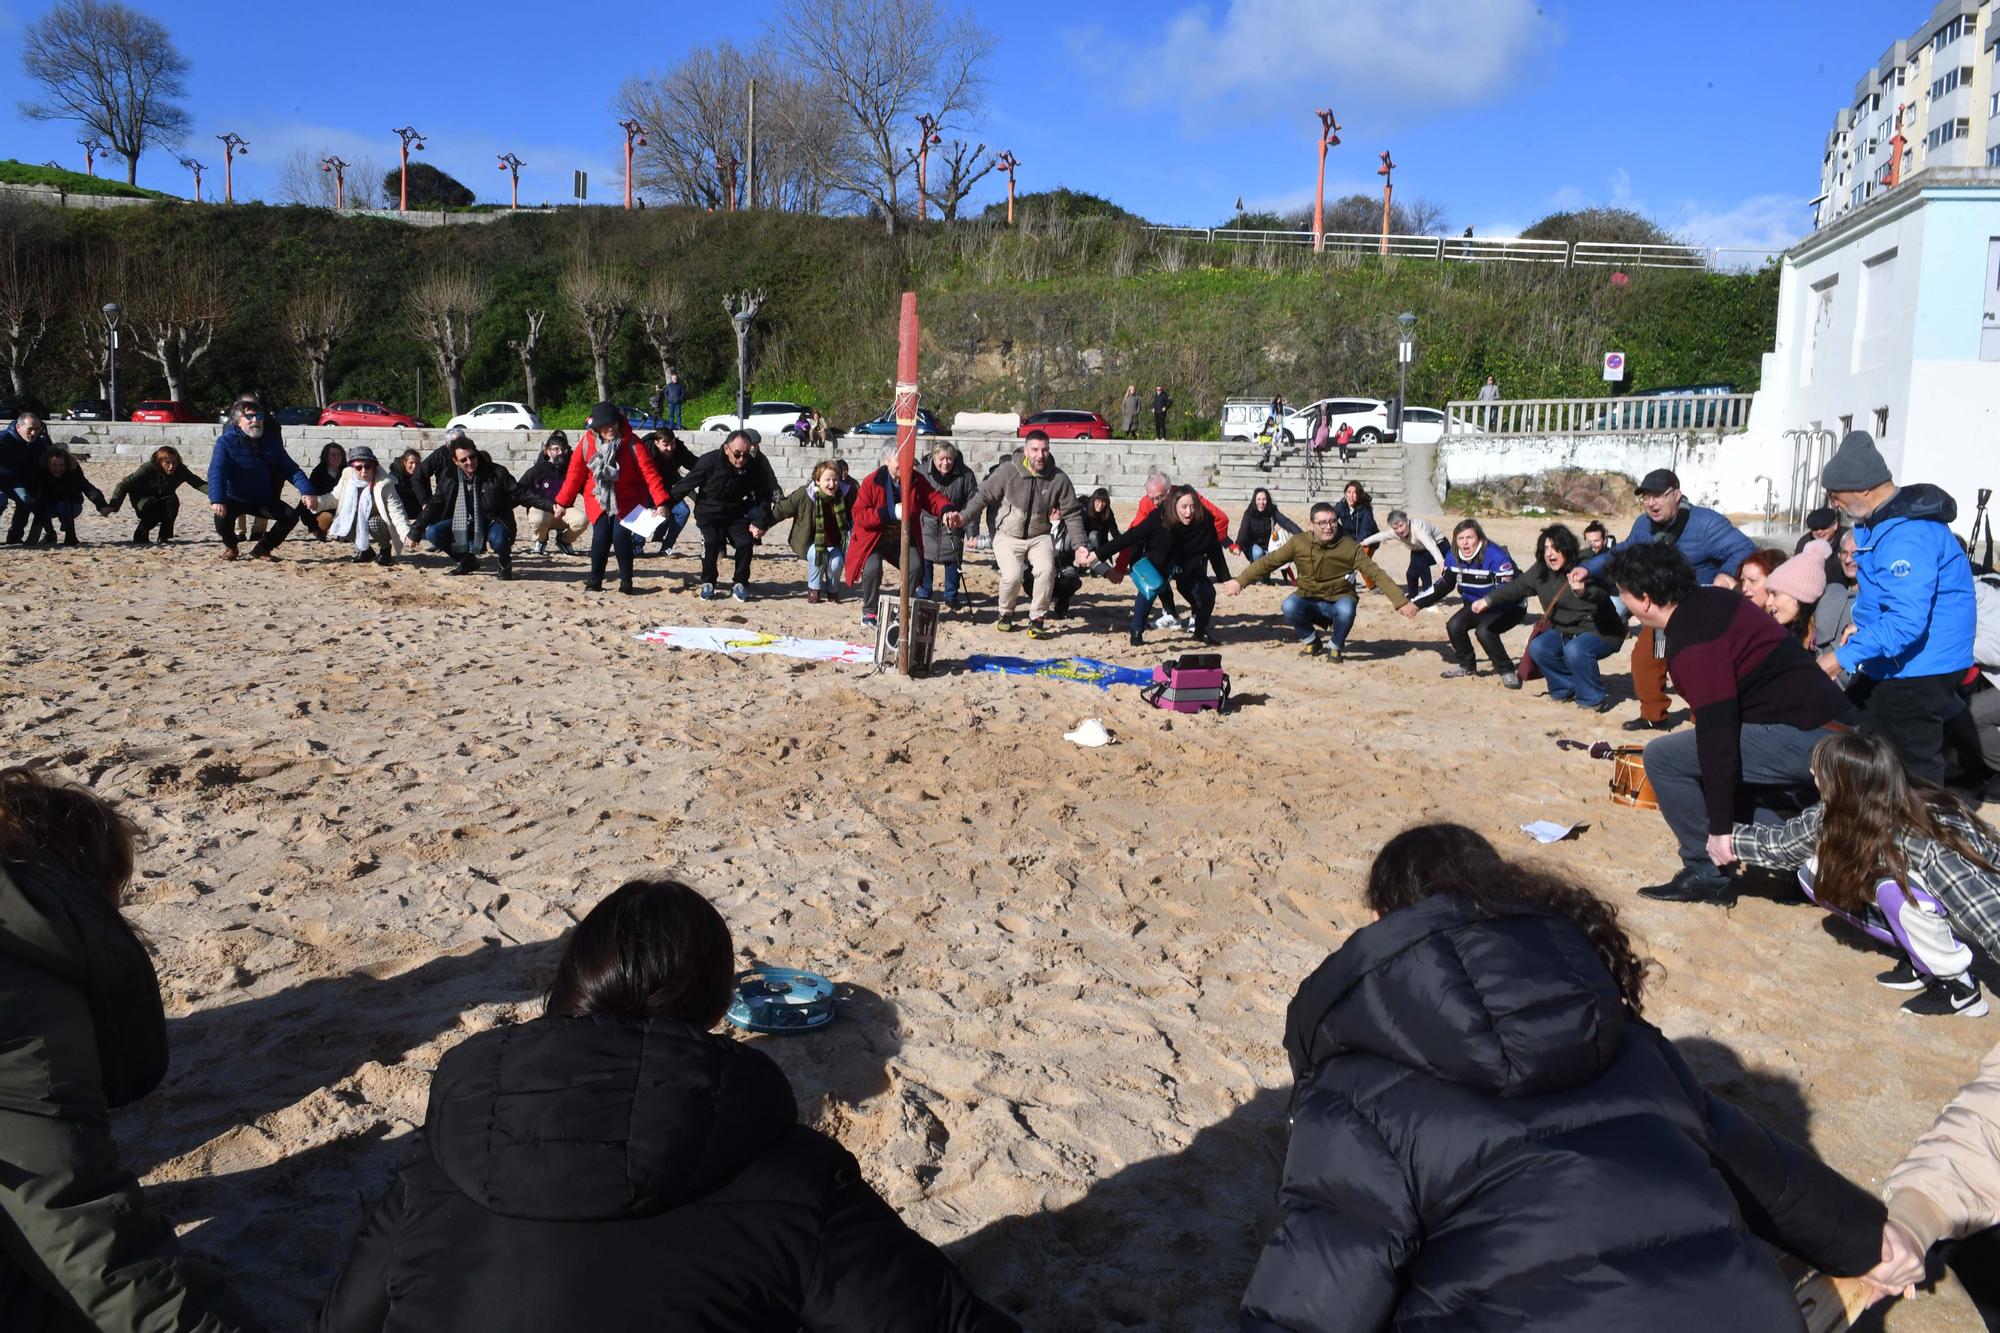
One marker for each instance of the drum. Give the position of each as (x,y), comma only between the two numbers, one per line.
(1628,778)
(923,633)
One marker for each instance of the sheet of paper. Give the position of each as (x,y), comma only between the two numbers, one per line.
(641,521)
(1543,830)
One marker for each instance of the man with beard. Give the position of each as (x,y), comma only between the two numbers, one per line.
(246,475)
(472,509)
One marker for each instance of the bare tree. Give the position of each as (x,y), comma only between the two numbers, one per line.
(1426,218)
(110,69)
(597,295)
(964,167)
(302,180)
(27,290)
(882,62)
(316,320)
(660,306)
(176,313)
(442,307)
(524,348)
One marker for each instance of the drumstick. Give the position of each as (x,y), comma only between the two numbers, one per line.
(1831,1304)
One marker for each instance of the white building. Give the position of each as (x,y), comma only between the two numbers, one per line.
(1888,321)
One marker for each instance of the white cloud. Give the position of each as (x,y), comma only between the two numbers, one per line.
(1764,223)
(1377,61)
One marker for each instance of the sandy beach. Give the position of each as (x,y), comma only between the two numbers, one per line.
(373,800)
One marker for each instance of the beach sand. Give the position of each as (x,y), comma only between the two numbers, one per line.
(373,801)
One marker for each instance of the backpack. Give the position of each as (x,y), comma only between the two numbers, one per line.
(1189,684)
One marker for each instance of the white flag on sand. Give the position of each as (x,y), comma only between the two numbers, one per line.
(712,639)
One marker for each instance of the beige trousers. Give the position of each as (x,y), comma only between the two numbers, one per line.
(572,531)
(1017,553)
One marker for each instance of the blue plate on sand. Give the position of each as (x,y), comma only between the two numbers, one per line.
(781,1001)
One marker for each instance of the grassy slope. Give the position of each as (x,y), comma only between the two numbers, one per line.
(75,182)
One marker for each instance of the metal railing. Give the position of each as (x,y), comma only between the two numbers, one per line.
(1569,254)
(1717,412)
(1811,447)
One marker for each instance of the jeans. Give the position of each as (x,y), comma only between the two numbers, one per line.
(1306,614)
(1489,625)
(1419,576)
(439,536)
(606,536)
(1770,755)
(1909,713)
(924,585)
(823,566)
(1569,661)
(24,505)
(1906,919)
(1195,585)
(677,518)
(674,420)
(737,536)
(159,513)
(281,515)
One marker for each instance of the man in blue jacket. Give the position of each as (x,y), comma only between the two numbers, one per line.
(246,475)
(1706,540)
(1914,612)
(21,447)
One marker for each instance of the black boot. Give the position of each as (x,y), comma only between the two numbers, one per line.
(466,564)
(506,563)
(385,557)
(69,533)
(42,533)
(1691,886)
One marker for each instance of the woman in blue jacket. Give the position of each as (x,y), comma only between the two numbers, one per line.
(1477,568)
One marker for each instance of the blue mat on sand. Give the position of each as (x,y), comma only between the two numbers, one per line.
(1084,670)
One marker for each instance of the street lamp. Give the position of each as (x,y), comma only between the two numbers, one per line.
(741,312)
(635,133)
(725,168)
(1329,137)
(1406,352)
(409,137)
(1007,162)
(339,169)
(197,168)
(510,163)
(928,124)
(91,148)
(1387,191)
(111,313)
(234,146)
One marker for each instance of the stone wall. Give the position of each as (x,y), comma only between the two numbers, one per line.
(50,195)
(1226,472)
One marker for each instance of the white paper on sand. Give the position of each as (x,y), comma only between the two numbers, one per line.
(641,521)
(1543,830)
(711,639)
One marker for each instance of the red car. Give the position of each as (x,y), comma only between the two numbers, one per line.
(363,412)
(161,411)
(1067,426)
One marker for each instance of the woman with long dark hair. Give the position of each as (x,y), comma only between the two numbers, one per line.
(1356,511)
(326,474)
(617,1165)
(1486,1133)
(1100,525)
(1904,861)
(1178,540)
(1257,530)
(1582,628)
(152,490)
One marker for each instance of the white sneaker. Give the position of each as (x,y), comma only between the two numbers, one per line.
(541,548)
(740,593)
(1165,620)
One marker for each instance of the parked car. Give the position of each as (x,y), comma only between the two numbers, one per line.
(642,419)
(768,419)
(1367,417)
(1427,425)
(165,411)
(1686,411)
(886,424)
(363,412)
(293,416)
(1064,424)
(497,416)
(88,409)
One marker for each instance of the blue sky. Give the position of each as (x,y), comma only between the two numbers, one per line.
(1710,116)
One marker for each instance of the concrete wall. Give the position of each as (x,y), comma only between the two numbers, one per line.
(48,194)
(1226,473)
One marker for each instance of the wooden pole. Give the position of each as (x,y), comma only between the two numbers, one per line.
(906,460)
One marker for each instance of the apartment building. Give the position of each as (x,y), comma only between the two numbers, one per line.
(1931,101)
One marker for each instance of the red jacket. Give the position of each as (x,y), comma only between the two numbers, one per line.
(1146,506)
(872,512)
(638,485)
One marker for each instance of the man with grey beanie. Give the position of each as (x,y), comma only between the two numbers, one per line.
(1914,613)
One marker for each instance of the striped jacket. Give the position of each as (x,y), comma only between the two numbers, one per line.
(1971,895)
(1489,567)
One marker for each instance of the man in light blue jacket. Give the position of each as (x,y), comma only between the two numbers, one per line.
(1914,613)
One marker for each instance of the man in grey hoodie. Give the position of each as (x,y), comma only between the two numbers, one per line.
(1025,492)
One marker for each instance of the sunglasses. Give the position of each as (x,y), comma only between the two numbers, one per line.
(363,462)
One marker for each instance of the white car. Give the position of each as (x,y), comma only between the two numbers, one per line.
(497,416)
(768,419)
(1426,425)
(1367,417)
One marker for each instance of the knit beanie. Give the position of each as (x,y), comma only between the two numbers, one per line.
(1804,575)
(1857,465)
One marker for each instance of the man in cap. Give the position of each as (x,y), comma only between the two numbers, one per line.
(1824,525)
(1914,613)
(1706,540)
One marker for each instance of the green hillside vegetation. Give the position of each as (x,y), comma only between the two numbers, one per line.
(21,173)
(1055,313)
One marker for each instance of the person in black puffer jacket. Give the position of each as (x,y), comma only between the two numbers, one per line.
(614,1165)
(323,478)
(411,489)
(152,490)
(1486,1135)
(1260,525)
(1180,542)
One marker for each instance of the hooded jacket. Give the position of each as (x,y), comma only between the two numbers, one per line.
(18,457)
(1024,498)
(1324,569)
(1483,1139)
(545,476)
(81,1032)
(1914,608)
(625,1173)
(244,471)
(148,485)
(1710,542)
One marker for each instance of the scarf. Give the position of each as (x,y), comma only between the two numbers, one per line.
(357,506)
(604,473)
(468,530)
(364,510)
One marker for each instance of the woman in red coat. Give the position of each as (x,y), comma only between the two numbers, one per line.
(878,514)
(612,465)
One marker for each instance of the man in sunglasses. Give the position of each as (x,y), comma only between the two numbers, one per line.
(246,475)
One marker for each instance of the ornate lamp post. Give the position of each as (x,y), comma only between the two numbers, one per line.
(635,133)
(234,146)
(1387,191)
(111,313)
(928,124)
(1406,352)
(725,167)
(1007,162)
(411,138)
(197,168)
(338,168)
(512,165)
(1329,137)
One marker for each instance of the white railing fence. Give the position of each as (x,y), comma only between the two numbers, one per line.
(1569,254)
(1718,412)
